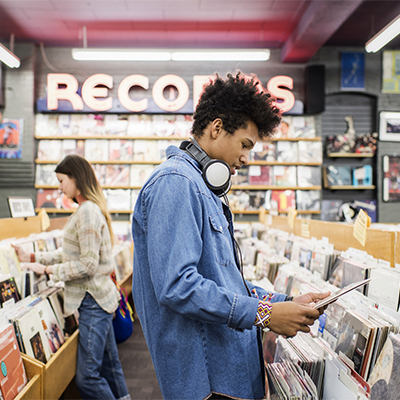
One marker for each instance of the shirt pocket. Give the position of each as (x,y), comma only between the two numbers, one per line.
(221,239)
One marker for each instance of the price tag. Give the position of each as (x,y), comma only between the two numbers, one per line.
(292,213)
(44,219)
(363,221)
(305,228)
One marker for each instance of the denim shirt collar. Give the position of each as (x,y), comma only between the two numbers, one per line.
(173,151)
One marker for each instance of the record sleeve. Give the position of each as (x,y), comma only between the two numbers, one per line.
(50,150)
(140,173)
(285,199)
(115,124)
(162,146)
(308,176)
(119,199)
(13,378)
(286,151)
(164,125)
(263,151)
(284,175)
(48,198)
(239,199)
(121,150)
(285,128)
(10,262)
(308,200)
(117,175)
(310,152)
(241,176)
(96,150)
(45,175)
(338,176)
(257,199)
(140,125)
(260,175)
(145,150)
(70,146)
(303,127)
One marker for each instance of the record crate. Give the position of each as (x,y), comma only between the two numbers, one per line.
(33,389)
(57,373)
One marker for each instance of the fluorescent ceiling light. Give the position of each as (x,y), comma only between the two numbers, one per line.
(9,58)
(220,55)
(85,54)
(383,37)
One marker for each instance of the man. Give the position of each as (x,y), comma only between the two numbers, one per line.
(201,320)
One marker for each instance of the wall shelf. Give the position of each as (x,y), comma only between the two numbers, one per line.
(351,155)
(351,187)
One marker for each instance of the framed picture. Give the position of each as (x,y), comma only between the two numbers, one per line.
(391,177)
(389,126)
(21,207)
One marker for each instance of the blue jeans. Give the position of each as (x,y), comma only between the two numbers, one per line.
(99,372)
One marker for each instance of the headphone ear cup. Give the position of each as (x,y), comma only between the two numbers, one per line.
(217,176)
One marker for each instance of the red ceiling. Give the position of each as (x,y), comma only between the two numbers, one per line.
(298,27)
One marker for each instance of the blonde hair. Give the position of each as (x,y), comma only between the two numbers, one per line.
(81,171)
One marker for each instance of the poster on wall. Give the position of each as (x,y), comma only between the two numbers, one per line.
(352,71)
(11,138)
(391,72)
(391,177)
(389,126)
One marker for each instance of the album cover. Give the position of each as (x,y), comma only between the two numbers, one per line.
(96,150)
(13,377)
(116,124)
(286,151)
(50,150)
(303,127)
(69,124)
(56,302)
(9,290)
(362,176)
(100,171)
(320,261)
(330,210)
(121,150)
(70,146)
(257,199)
(183,125)
(305,256)
(241,176)
(52,330)
(91,125)
(46,125)
(385,286)
(164,125)
(162,146)
(145,150)
(263,151)
(10,264)
(140,173)
(33,336)
(368,206)
(117,175)
(284,176)
(391,178)
(338,176)
(45,175)
(348,271)
(284,129)
(119,199)
(140,125)
(308,200)
(310,152)
(285,199)
(259,174)
(239,200)
(308,176)
(384,379)
(48,198)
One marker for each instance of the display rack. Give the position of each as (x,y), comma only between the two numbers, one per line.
(380,244)
(42,135)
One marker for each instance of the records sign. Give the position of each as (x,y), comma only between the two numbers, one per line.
(391,178)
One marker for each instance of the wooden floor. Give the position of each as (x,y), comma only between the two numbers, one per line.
(138,368)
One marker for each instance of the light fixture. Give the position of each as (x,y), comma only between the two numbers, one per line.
(8,57)
(389,32)
(85,54)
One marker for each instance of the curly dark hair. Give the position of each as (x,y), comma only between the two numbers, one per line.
(236,100)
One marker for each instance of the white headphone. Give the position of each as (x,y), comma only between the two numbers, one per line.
(216,173)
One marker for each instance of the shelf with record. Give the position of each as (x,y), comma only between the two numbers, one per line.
(350,155)
(351,187)
(124,150)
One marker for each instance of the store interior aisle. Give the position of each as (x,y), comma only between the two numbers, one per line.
(138,367)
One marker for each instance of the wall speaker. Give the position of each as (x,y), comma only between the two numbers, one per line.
(314,89)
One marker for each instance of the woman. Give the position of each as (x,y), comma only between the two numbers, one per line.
(84,263)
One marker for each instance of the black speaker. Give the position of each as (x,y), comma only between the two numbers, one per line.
(314,89)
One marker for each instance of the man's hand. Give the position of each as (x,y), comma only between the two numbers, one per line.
(312,298)
(288,318)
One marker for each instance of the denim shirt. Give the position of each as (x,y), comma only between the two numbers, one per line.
(194,308)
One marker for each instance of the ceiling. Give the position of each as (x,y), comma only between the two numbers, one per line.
(297,27)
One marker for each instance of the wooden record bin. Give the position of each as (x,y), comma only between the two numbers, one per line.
(34,388)
(57,373)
